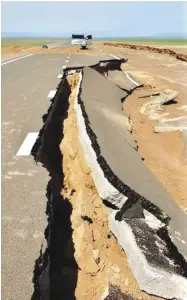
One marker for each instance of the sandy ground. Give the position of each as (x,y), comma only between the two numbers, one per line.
(10,52)
(164,153)
(177,48)
(72,50)
(110,264)
(180,53)
(76,50)
(7,52)
(162,65)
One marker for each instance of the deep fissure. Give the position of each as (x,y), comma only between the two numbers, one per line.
(63,272)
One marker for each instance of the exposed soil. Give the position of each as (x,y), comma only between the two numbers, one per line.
(180,56)
(39,50)
(163,153)
(12,50)
(77,50)
(35,50)
(89,219)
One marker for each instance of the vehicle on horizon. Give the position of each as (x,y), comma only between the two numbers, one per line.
(81,40)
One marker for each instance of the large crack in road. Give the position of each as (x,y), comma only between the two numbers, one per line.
(56,275)
(48,280)
(58,233)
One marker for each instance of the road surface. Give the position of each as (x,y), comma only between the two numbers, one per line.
(27,86)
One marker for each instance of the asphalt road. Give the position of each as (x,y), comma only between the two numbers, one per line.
(7,57)
(102,104)
(63,45)
(26,84)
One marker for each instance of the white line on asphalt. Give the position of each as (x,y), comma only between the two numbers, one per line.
(64,67)
(114,56)
(59,76)
(56,45)
(7,62)
(131,79)
(67,60)
(28,143)
(68,57)
(51,94)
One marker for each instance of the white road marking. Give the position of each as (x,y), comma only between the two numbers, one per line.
(131,79)
(59,76)
(67,60)
(7,177)
(114,56)
(28,143)
(56,45)
(29,173)
(68,57)
(51,94)
(8,123)
(64,67)
(7,62)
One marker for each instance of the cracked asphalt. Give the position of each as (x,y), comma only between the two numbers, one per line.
(26,84)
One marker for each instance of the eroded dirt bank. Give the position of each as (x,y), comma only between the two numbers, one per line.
(38,50)
(163,153)
(84,259)
(100,259)
(180,56)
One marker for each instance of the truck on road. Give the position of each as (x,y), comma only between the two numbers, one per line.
(81,40)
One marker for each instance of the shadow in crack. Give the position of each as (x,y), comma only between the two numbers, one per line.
(56,271)
(115,293)
(170,102)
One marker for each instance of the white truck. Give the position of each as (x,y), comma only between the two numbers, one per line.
(81,40)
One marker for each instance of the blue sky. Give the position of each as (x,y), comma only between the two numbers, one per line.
(130,19)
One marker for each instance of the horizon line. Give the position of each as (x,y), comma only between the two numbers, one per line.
(107,36)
